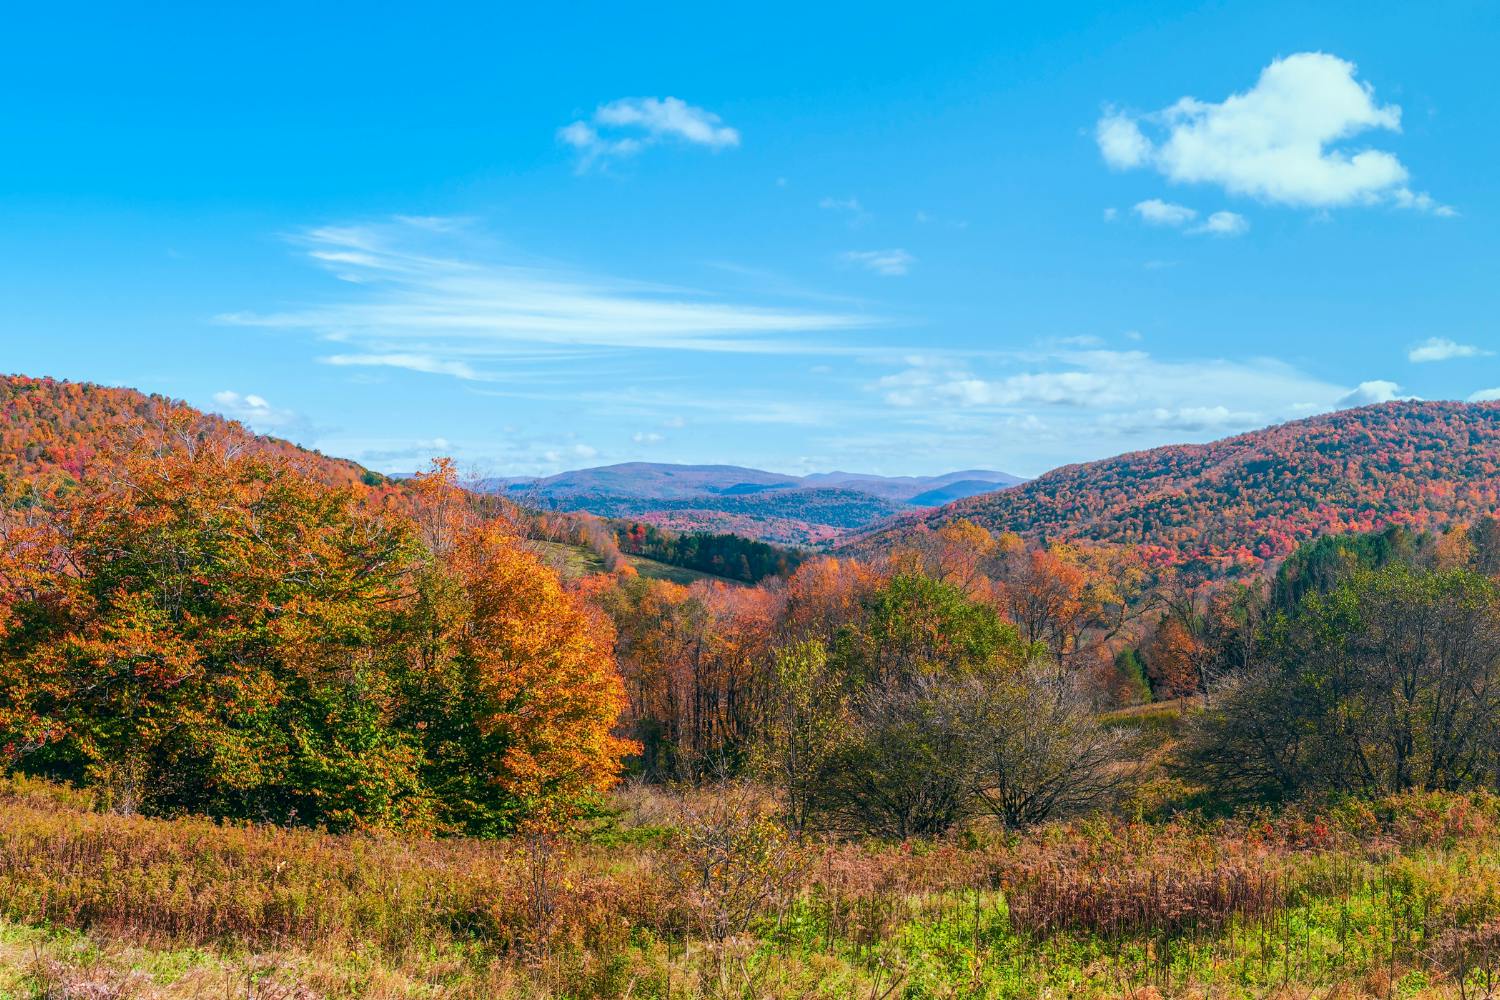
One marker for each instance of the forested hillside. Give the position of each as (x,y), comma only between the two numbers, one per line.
(54,432)
(1238,504)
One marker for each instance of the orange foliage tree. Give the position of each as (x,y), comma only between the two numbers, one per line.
(218,632)
(696,661)
(514,682)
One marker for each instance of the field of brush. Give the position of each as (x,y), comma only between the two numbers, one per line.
(700,895)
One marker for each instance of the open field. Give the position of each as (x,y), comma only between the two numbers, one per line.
(574,561)
(698,896)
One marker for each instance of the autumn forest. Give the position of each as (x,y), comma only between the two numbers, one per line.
(1198,719)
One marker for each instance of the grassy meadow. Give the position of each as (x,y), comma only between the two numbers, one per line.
(576,561)
(701,895)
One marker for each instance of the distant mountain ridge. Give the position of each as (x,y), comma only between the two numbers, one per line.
(1244,502)
(771,506)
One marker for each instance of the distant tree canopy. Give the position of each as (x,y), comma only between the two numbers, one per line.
(212,632)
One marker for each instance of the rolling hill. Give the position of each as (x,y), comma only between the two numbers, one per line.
(771,506)
(53,431)
(1238,504)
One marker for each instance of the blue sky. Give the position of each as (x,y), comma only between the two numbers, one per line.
(801,237)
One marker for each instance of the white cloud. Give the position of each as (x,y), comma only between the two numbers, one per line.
(1222,224)
(647,437)
(849,207)
(1443,349)
(1164,213)
(1374,391)
(1282,141)
(890,263)
(1121,141)
(425,363)
(1194,419)
(627,126)
(1122,391)
(668,117)
(1486,395)
(254,411)
(1421,201)
(557,456)
(446,302)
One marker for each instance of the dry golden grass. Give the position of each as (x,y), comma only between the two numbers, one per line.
(698,896)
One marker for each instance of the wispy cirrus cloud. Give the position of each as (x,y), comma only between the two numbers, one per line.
(850,208)
(627,126)
(889,263)
(424,363)
(442,300)
(1285,140)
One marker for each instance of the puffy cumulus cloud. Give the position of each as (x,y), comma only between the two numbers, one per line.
(1374,391)
(891,263)
(1164,213)
(1156,212)
(627,126)
(1222,224)
(254,411)
(1443,349)
(1486,395)
(1284,140)
(1122,142)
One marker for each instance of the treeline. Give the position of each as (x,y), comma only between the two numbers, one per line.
(1371,666)
(960,676)
(968,675)
(730,556)
(198,625)
(205,630)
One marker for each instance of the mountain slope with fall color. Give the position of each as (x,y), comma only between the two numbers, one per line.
(53,432)
(1238,504)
